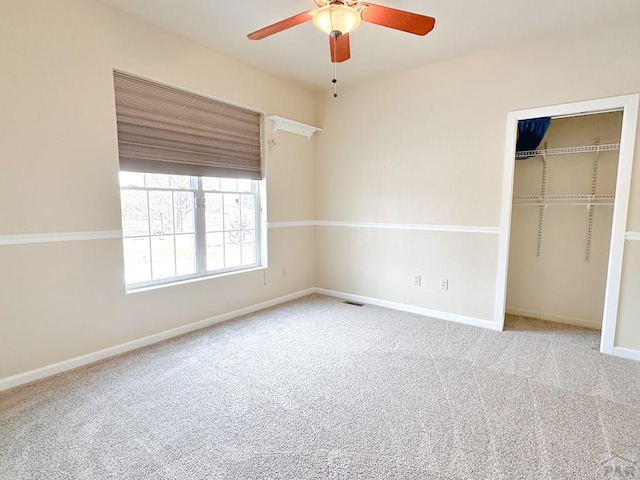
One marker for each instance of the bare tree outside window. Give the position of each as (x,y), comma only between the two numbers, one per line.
(161,224)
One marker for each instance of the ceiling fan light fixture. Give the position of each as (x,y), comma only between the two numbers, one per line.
(336,17)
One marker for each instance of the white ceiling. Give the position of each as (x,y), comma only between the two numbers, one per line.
(301,54)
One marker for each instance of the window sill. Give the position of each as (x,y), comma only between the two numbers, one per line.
(186,281)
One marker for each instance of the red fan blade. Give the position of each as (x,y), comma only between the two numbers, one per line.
(282,25)
(397,19)
(340,48)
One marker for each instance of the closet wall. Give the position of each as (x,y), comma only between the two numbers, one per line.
(554,280)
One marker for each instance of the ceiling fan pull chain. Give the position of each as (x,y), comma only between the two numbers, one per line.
(335,72)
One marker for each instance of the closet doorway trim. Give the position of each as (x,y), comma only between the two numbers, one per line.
(628,104)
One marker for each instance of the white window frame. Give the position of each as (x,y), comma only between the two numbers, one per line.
(200,232)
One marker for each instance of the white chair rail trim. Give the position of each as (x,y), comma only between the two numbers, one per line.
(388,226)
(54,237)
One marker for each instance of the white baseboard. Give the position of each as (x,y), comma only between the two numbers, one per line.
(627,353)
(452,317)
(43,372)
(39,373)
(578,322)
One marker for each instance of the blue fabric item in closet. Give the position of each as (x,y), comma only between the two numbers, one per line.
(530,134)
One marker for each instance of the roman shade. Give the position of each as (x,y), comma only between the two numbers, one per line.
(162,129)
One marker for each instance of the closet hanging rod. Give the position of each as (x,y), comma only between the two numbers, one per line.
(567,150)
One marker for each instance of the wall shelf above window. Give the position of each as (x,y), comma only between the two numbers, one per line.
(291,126)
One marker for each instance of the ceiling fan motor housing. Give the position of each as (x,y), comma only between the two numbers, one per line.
(336,16)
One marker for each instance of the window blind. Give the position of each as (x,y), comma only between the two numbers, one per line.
(162,129)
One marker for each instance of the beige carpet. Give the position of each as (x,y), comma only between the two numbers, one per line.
(319,389)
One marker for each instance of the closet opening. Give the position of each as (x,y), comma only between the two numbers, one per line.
(563,198)
(564,209)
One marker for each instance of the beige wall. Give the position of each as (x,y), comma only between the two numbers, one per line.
(382,264)
(426,147)
(629,314)
(59,173)
(560,284)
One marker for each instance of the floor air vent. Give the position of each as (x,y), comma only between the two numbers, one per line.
(355,304)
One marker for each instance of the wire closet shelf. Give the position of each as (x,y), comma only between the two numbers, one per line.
(567,150)
(583,200)
(574,200)
(543,200)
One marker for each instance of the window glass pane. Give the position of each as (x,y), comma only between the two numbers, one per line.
(162,257)
(180,181)
(135,212)
(161,224)
(229,184)
(248,211)
(137,261)
(232,211)
(248,247)
(244,185)
(161,212)
(185,254)
(213,212)
(131,179)
(209,183)
(183,212)
(157,180)
(232,243)
(215,251)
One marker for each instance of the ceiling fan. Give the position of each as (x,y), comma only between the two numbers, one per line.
(339,17)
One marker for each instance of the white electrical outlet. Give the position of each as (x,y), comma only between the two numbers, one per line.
(417,280)
(444,284)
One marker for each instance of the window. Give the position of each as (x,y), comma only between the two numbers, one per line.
(179,227)
(190,177)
